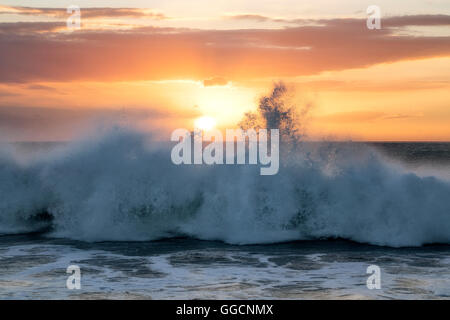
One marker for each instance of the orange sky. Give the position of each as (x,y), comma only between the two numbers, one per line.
(161,67)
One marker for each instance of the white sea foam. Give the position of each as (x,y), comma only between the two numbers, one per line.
(119,186)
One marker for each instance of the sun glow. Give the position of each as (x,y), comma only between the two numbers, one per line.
(205,123)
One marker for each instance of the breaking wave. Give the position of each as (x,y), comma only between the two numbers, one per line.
(120,186)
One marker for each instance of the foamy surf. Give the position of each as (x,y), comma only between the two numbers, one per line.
(33,267)
(121,187)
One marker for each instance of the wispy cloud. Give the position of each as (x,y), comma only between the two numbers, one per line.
(396,21)
(365,116)
(30,27)
(86,12)
(43,123)
(216,81)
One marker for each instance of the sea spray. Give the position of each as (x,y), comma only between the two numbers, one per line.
(120,186)
(117,188)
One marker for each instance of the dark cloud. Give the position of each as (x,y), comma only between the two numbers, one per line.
(29,27)
(6,93)
(40,87)
(153,53)
(418,20)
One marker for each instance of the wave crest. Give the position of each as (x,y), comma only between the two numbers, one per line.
(121,187)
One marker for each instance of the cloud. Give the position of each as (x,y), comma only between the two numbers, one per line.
(252,17)
(418,20)
(363,116)
(7,93)
(43,123)
(262,18)
(377,86)
(151,53)
(396,21)
(30,27)
(40,87)
(216,81)
(85,12)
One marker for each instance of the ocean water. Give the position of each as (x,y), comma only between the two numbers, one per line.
(140,227)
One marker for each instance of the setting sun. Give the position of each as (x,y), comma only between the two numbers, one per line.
(205,123)
(246,150)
